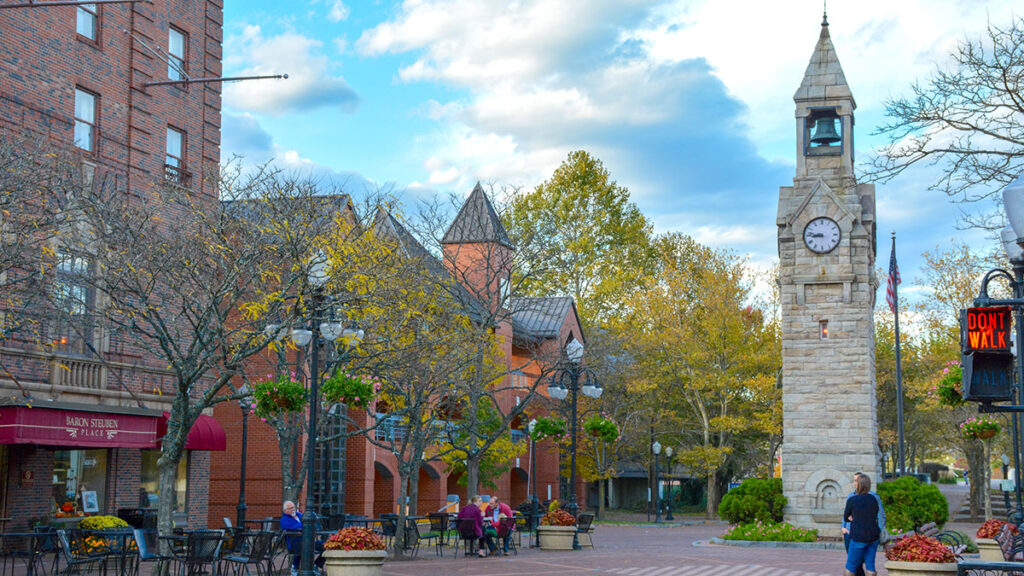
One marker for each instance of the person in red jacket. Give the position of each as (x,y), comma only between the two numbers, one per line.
(496,510)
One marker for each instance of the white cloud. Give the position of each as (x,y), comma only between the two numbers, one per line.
(338,12)
(310,84)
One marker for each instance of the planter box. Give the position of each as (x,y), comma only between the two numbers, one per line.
(556,537)
(354,562)
(920,568)
(990,550)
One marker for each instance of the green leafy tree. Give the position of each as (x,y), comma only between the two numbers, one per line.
(592,242)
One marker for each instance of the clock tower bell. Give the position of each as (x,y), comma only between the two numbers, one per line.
(826,237)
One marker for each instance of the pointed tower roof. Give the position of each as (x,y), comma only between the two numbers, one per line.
(824,78)
(477,222)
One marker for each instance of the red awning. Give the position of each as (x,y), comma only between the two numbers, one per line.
(55,427)
(206,433)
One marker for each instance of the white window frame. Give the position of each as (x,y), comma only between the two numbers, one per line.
(176,56)
(85,114)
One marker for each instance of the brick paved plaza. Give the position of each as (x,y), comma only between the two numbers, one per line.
(639,551)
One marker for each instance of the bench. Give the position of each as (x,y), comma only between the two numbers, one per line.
(954,540)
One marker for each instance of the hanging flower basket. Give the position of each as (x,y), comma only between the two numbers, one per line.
(355,391)
(279,395)
(979,428)
(548,428)
(601,427)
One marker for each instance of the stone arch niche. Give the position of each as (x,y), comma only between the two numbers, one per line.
(828,498)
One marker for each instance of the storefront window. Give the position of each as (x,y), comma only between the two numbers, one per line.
(149,487)
(77,473)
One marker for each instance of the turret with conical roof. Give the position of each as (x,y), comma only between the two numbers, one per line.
(478,251)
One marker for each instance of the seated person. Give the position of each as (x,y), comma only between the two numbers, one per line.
(472,512)
(291,521)
(497,510)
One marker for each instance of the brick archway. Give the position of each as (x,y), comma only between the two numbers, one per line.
(455,488)
(383,490)
(429,498)
(519,486)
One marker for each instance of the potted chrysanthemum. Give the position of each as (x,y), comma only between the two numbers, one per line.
(354,552)
(556,529)
(920,556)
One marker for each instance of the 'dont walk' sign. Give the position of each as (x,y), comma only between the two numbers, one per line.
(986,329)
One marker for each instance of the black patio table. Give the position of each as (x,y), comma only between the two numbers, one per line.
(29,548)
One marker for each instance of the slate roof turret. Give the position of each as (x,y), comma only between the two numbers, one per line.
(477,223)
(824,77)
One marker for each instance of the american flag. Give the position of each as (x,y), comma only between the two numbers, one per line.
(894,279)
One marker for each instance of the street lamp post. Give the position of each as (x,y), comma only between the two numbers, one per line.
(668,467)
(533,474)
(568,381)
(302,337)
(245,402)
(656,448)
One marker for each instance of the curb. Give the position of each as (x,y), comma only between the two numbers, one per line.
(755,544)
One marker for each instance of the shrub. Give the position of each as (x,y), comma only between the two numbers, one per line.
(756,499)
(910,504)
(992,528)
(354,539)
(102,523)
(919,548)
(558,518)
(771,532)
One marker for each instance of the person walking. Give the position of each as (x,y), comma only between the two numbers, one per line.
(846,523)
(862,513)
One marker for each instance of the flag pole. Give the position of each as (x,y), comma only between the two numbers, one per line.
(894,280)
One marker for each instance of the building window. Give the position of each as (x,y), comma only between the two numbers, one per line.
(87,23)
(519,380)
(74,297)
(149,481)
(78,471)
(174,163)
(85,120)
(175,54)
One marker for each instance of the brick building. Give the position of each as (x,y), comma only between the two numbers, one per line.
(81,408)
(476,251)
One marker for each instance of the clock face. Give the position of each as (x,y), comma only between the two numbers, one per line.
(822,235)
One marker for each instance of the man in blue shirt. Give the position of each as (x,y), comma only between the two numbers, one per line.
(881,521)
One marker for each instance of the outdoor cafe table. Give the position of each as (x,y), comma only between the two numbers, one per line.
(24,547)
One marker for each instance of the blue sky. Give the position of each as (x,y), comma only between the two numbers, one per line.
(688,103)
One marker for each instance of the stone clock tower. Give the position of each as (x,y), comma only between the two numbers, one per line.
(826,227)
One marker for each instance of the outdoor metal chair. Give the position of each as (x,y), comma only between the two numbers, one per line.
(202,553)
(466,530)
(583,525)
(439,523)
(506,527)
(76,554)
(388,528)
(253,555)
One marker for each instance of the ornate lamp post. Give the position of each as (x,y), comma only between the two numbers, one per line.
(566,382)
(533,473)
(656,448)
(668,467)
(301,337)
(246,405)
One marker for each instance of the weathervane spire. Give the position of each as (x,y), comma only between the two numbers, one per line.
(824,13)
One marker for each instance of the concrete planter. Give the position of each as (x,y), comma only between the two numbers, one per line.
(556,537)
(354,562)
(919,568)
(990,550)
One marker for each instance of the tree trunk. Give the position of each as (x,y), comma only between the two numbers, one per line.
(414,493)
(472,476)
(600,497)
(974,473)
(403,491)
(711,511)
